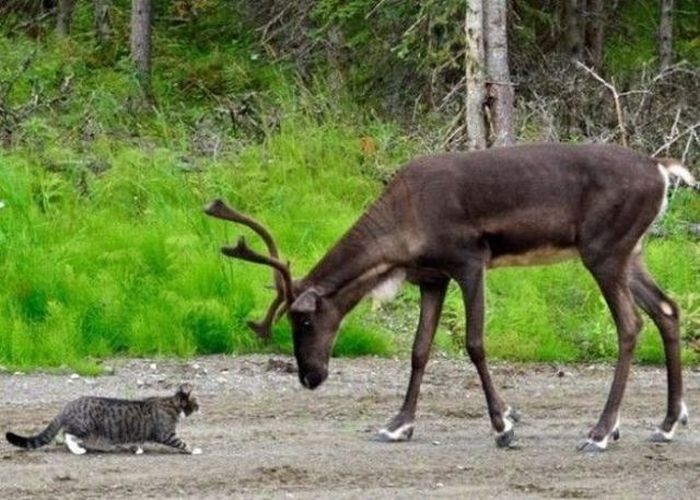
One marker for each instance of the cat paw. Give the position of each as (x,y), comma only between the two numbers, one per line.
(196,451)
(74,444)
(138,451)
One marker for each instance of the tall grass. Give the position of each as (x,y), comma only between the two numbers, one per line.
(125,261)
(104,248)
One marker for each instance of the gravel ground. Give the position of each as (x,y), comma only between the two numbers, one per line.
(263,435)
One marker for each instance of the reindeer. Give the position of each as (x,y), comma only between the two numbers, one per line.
(452,216)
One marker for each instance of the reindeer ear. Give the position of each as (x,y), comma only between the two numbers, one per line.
(306,302)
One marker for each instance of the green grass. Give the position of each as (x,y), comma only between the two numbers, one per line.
(124,261)
(104,249)
(556,313)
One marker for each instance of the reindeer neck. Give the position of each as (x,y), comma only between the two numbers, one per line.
(374,246)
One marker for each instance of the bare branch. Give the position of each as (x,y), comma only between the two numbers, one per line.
(456,88)
(673,140)
(616,98)
(374,9)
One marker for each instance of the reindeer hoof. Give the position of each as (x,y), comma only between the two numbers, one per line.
(591,446)
(659,436)
(402,433)
(505,438)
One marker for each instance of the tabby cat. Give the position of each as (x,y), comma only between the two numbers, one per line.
(88,421)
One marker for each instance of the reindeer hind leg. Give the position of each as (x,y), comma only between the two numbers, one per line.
(664,313)
(610,274)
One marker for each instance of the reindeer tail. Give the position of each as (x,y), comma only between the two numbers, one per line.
(676,169)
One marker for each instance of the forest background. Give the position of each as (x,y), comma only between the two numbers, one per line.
(119,120)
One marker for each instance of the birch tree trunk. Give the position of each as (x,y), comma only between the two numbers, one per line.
(102,24)
(666,34)
(141,41)
(474,69)
(498,82)
(64,17)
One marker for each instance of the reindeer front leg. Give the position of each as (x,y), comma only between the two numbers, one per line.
(471,281)
(400,428)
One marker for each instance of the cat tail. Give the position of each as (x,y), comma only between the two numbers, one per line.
(41,439)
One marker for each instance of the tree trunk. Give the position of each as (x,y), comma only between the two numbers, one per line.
(474,73)
(572,36)
(141,41)
(334,46)
(499,86)
(102,24)
(666,34)
(595,33)
(64,17)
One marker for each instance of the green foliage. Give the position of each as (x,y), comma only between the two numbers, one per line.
(633,42)
(394,51)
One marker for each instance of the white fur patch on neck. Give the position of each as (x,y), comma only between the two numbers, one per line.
(388,288)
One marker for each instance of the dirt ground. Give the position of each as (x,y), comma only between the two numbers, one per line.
(263,435)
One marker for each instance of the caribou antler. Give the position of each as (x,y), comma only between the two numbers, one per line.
(243,252)
(264,328)
(220,210)
(283,279)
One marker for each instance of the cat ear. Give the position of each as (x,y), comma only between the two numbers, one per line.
(185,389)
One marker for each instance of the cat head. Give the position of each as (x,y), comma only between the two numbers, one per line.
(186,402)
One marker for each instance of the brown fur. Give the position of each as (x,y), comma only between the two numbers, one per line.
(451,216)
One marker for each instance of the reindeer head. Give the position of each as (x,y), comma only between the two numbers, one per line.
(315,321)
(314,318)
